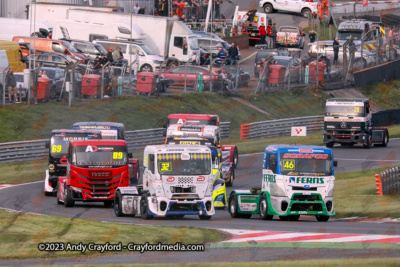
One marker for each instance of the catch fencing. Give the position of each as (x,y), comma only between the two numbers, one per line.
(388,182)
(36,149)
(265,129)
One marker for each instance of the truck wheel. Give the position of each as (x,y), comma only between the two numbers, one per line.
(293,217)
(233,206)
(58,196)
(330,144)
(231,178)
(146,68)
(369,142)
(305,12)
(68,201)
(204,217)
(385,139)
(144,208)
(268,8)
(235,158)
(172,64)
(264,209)
(284,218)
(322,218)
(118,205)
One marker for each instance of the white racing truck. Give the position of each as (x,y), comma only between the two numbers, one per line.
(177,181)
(296,180)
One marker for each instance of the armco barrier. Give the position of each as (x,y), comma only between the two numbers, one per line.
(265,129)
(388,182)
(36,149)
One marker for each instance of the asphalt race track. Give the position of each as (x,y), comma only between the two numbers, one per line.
(30,198)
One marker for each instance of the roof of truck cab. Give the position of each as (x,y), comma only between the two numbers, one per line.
(297,148)
(97,123)
(195,116)
(178,148)
(60,131)
(99,142)
(348,99)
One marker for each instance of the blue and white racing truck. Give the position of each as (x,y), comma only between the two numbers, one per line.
(296,180)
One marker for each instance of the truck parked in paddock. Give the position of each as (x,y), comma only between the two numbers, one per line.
(95,168)
(296,180)
(58,152)
(347,121)
(177,181)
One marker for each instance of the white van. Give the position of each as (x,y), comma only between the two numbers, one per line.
(148,61)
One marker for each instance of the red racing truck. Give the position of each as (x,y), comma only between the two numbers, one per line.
(94,171)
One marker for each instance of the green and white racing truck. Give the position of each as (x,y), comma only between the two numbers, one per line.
(296,180)
(347,121)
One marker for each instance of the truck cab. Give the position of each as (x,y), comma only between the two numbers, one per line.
(109,130)
(177,181)
(58,152)
(192,119)
(347,121)
(95,168)
(296,180)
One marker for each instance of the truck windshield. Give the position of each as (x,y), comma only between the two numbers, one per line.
(89,156)
(194,43)
(346,35)
(354,111)
(59,142)
(184,164)
(305,164)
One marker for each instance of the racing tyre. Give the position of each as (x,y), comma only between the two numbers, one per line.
(233,206)
(204,217)
(118,205)
(268,8)
(146,68)
(385,139)
(144,208)
(369,141)
(264,209)
(330,144)
(293,217)
(68,201)
(284,218)
(322,218)
(235,158)
(232,177)
(173,64)
(305,12)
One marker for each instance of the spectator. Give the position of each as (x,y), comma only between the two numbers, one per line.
(204,7)
(275,62)
(116,55)
(335,50)
(136,9)
(269,31)
(233,53)
(12,85)
(217,10)
(229,84)
(142,10)
(50,35)
(179,8)
(97,63)
(110,55)
(164,8)
(234,30)
(195,59)
(44,75)
(136,61)
(274,33)
(328,68)
(312,35)
(263,33)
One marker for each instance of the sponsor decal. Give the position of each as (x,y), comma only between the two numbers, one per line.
(170,179)
(189,142)
(91,148)
(304,156)
(100,174)
(201,179)
(307,180)
(270,178)
(191,129)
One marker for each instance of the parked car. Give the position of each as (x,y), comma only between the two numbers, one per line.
(213,45)
(293,66)
(290,37)
(90,50)
(244,76)
(264,54)
(178,75)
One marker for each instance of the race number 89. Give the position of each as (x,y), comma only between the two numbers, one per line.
(118,155)
(289,165)
(56,148)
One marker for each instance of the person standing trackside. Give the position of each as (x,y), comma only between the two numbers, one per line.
(335,50)
(12,85)
(233,53)
(117,55)
(263,33)
(274,33)
(269,29)
(136,61)
(195,59)
(110,55)
(136,9)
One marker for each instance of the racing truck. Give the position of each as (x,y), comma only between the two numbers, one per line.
(177,181)
(95,168)
(289,36)
(58,151)
(347,121)
(205,119)
(296,180)
(204,135)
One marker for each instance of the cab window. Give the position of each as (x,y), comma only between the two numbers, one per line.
(272,162)
(151,163)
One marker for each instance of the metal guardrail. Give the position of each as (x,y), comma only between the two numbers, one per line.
(388,182)
(36,149)
(273,128)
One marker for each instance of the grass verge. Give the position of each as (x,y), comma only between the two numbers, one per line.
(21,234)
(385,95)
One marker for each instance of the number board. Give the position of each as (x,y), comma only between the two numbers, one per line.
(165,166)
(289,165)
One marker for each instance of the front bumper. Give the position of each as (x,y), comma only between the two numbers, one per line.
(283,206)
(345,138)
(162,207)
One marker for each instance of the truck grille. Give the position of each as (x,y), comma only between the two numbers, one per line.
(306,207)
(177,189)
(96,186)
(185,180)
(183,207)
(298,188)
(306,197)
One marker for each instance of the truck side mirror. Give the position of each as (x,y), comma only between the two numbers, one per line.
(130,155)
(335,163)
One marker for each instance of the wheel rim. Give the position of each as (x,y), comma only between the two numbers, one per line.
(268,9)
(305,13)
(146,68)
(263,207)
